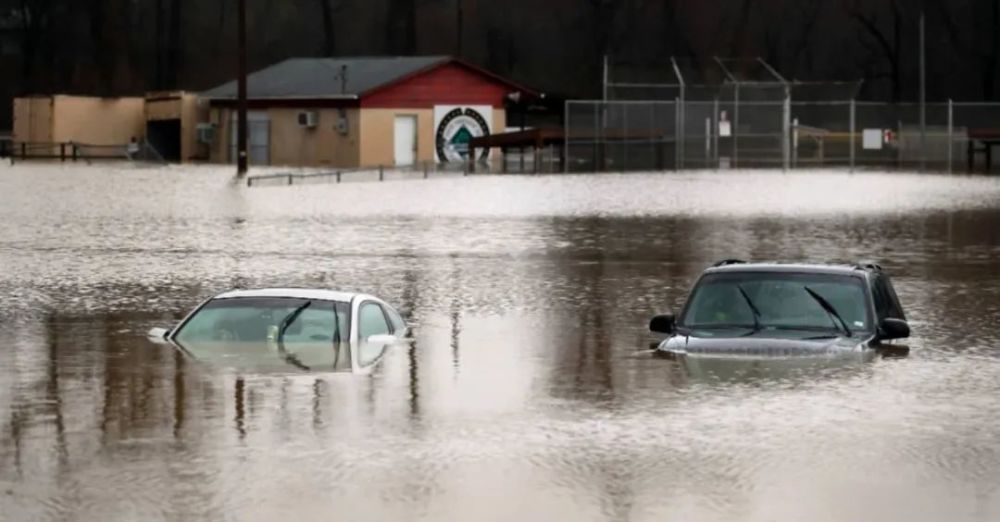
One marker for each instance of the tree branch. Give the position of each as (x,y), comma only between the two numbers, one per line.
(872,29)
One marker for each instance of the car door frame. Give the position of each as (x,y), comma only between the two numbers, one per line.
(360,301)
(356,339)
(879,284)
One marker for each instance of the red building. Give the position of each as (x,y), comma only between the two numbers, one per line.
(349,112)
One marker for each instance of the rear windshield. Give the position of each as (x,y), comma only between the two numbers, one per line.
(782,299)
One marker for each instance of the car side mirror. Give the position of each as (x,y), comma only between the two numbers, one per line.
(891,328)
(663,324)
(158,335)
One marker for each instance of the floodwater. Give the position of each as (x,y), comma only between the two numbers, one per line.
(528,393)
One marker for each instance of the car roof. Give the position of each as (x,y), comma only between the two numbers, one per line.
(292,293)
(727,267)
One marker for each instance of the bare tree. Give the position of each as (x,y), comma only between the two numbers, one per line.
(887,36)
(401,29)
(326,16)
(789,28)
(680,42)
(978,38)
(35,16)
(738,44)
(604,14)
(174,46)
(105,52)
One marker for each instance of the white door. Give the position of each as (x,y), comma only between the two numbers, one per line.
(405,139)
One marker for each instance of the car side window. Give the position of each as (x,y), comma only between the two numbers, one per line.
(397,323)
(895,309)
(371,321)
(878,295)
(886,302)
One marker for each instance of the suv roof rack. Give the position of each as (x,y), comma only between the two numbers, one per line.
(726,262)
(868,265)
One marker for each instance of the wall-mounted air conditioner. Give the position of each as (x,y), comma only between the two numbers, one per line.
(308,119)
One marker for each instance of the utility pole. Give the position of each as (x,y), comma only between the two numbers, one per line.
(458,28)
(241,125)
(923,88)
(158,80)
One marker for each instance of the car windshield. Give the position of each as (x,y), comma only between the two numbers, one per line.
(782,300)
(257,320)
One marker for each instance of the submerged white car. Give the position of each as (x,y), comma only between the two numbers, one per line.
(311,330)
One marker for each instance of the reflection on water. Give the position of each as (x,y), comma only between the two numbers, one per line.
(528,391)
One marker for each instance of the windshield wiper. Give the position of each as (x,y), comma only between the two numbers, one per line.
(753,308)
(336,325)
(290,318)
(829,309)
(290,358)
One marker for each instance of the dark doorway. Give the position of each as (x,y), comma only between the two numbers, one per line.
(165,137)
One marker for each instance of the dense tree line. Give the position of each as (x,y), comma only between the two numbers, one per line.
(110,47)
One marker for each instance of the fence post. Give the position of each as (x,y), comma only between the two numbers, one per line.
(951,133)
(606,75)
(62,152)
(338,176)
(290,179)
(677,134)
(715,138)
(426,170)
(786,130)
(594,140)
(708,140)
(654,139)
(853,140)
(736,128)
(625,140)
(381,173)
(795,144)
(566,123)
(24,150)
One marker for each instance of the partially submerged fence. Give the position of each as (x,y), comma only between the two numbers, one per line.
(140,151)
(632,135)
(424,170)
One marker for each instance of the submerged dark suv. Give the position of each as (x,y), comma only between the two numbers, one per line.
(742,309)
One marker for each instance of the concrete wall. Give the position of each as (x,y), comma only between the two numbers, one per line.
(378,129)
(368,143)
(33,120)
(294,145)
(322,146)
(98,121)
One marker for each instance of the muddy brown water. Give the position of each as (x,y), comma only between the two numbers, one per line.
(526,394)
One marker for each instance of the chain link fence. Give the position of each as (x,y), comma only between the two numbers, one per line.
(763,127)
(741,113)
